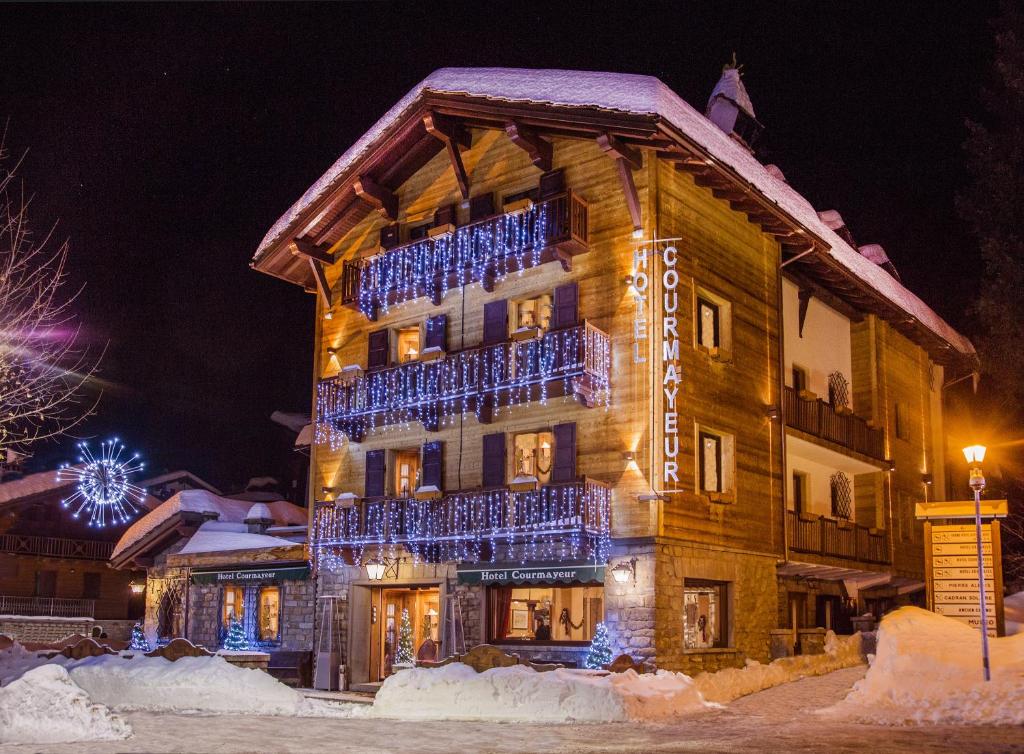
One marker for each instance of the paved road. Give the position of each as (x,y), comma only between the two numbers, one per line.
(776,720)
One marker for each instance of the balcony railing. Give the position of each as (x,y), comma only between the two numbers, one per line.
(483,252)
(819,418)
(469,524)
(56,547)
(56,606)
(838,539)
(575,361)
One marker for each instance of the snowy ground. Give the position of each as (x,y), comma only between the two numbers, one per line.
(770,721)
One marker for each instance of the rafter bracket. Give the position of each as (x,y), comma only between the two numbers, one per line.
(455,138)
(627,160)
(536,146)
(306,248)
(382,199)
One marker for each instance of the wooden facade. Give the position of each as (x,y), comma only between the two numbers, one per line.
(440,332)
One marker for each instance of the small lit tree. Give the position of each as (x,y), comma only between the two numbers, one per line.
(138,643)
(600,653)
(404,655)
(235,640)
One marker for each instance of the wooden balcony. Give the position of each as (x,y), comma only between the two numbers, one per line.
(575,361)
(820,418)
(837,539)
(468,524)
(55,547)
(481,252)
(56,606)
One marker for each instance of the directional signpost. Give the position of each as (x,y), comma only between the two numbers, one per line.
(951,562)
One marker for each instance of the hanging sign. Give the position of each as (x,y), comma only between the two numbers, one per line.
(535,573)
(246,575)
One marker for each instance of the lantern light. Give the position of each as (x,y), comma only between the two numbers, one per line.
(624,570)
(975,453)
(375,569)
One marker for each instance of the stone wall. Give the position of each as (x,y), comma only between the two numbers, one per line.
(204,615)
(297,615)
(43,630)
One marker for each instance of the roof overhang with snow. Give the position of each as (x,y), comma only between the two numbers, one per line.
(638,112)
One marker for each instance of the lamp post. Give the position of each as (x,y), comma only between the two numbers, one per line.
(975,454)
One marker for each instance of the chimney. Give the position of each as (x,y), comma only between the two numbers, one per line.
(258,519)
(729,107)
(875,253)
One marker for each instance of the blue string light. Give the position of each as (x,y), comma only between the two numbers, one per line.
(103,488)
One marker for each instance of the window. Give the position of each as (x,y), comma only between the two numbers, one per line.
(799,491)
(545,613)
(899,422)
(533,456)
(705,614)
(233,605)
(46,584)
(408,344)
(711,463)
(707,324)
(269,620)
(407,472)
(799,379)
(416,232)
(532,315)
(842,496)
(91,585)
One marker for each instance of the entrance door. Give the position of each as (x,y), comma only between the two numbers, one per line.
(424,609)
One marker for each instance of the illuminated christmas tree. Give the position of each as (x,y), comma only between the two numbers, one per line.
(404,654)
(235,640)
(139,643)
(600,653)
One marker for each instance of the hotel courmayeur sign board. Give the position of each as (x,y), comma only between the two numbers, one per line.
(243,575)
(535,573)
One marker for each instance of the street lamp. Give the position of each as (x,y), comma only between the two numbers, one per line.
(975,454)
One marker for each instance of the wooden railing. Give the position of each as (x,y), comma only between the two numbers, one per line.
(56,606)
(838,539)
(575,361)
(483,251)
(56,547)
(442,528)
(819,418)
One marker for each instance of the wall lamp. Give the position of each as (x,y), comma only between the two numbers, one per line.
(624,570)
(379,567)
(772,411)
(136,588)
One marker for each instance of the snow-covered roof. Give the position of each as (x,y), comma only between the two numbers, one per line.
(631,94)
(201,501)
(221,536)
(32,484)
(293,421)
(180,475)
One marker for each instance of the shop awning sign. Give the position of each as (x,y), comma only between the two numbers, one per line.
(534,573)
(251,575)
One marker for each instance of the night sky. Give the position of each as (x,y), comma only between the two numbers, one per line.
(167,140)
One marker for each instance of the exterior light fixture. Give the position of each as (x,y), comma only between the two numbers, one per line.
(638,233)
(927,479)
(328,314)
(628,280)
(375,569)
(624,570)
(975,454)
(136,588)
(772,411)
(629,455)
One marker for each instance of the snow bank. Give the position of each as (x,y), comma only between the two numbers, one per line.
(457,692)
(732,683)
(45,706)
(1013,611)
(928,670)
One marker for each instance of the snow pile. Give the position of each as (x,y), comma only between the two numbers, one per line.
(45,706)
(457,692)
(732,683)
(928,670)
(1013,611)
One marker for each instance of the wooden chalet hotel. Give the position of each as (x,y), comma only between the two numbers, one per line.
(581,357)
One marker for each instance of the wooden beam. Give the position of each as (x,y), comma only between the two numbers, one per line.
(454,137)
(626,159)
(382,199)
(321,281)
(306,248)
(536,146)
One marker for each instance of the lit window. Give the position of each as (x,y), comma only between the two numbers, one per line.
(407,472)
(533,456)
(408,344)
(532,314)
(705,614)
(269,613)
(570,613)
(233,605)
(708,324)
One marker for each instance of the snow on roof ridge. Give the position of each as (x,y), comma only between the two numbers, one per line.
(637,94)
(221,536)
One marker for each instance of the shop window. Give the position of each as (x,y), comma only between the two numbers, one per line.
(800,488)
(407,472)
(705,614)
(531,317)
(532,458)
(407,340)
(714,462)
(233,605)
(713,324)
(545,614)
(91,585)
(269,619)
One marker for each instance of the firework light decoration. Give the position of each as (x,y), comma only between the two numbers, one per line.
(103,487)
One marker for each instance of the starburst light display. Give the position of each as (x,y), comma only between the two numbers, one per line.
(103,489)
